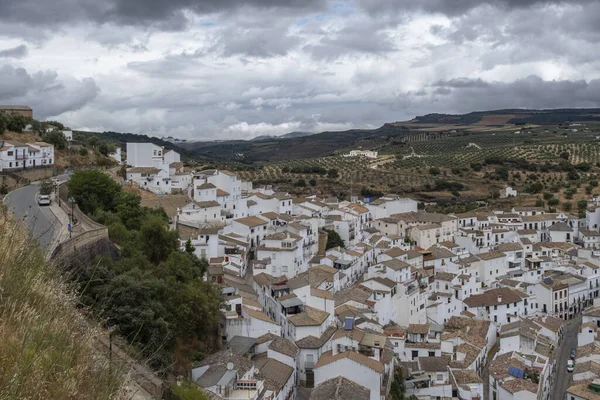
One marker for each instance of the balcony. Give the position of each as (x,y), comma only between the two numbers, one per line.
(21,156)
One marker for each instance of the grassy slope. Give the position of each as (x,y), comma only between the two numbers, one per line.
(46,346)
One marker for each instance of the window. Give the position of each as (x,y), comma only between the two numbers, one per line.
(432,354)
(495,318)
(10,153)
(440,377)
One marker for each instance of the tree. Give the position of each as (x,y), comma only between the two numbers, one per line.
(582,204)
(189,247)
(3,122)
(572,176)
(57,139)
(106,148)
(16,123)
(57,124)
(129,210)
(93,190)
(333,173)
(83,152)
(93,141)
(300,183)
(564,155)
(553,201)
(46,187)
(312,182)
(157,241)
(334,240)
(539,203)
(476,167)
(567,206)
(434,171)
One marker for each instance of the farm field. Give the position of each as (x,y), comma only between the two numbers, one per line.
(459,168)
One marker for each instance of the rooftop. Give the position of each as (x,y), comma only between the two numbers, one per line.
(327,358)
(340,388)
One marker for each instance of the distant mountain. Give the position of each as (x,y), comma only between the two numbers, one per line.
(508,117)
(291,135)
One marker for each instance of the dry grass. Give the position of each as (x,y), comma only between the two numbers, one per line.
(46,346)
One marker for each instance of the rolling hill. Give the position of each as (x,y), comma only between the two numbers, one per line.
(430,126)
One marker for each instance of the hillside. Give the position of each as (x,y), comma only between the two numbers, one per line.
(390,135)
(123,138)
(47,347)
(317,145)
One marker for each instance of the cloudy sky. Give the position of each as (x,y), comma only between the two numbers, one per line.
(225,69)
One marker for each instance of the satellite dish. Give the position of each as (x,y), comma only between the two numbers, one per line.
(229,366)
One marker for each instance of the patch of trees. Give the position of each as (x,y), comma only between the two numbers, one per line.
(56,138)
(306,170)
(448,185)
(334,240)
(12,122)
(154,293)
(370,193)
(517,163)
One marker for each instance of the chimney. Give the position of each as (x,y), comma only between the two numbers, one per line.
(499,299)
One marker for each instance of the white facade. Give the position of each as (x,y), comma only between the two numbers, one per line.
(18,155)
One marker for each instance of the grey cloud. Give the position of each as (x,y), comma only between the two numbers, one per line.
(264,41)
(452,7)
(168,15)
(363,38)
(461,83)
(529,92)
(15,52)
(523,36)
(47,94)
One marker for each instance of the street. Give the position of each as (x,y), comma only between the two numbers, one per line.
(40,220)
(564,379)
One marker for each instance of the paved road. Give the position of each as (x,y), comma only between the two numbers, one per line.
(40,220)
(564,379)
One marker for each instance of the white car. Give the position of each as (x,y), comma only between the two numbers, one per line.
(44,200)
(570,366)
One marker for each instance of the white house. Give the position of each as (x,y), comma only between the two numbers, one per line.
(150,167)
(508,191)
(19,155)
(497,305)
(68,134)
(355,367)
(362,153)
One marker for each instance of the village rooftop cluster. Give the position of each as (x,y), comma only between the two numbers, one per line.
(461,304)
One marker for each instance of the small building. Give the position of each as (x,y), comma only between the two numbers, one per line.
(21,110)
(508,191)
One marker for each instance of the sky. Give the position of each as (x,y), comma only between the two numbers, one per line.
(237,69)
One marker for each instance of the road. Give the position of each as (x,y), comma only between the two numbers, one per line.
(40,220)
(564,379)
